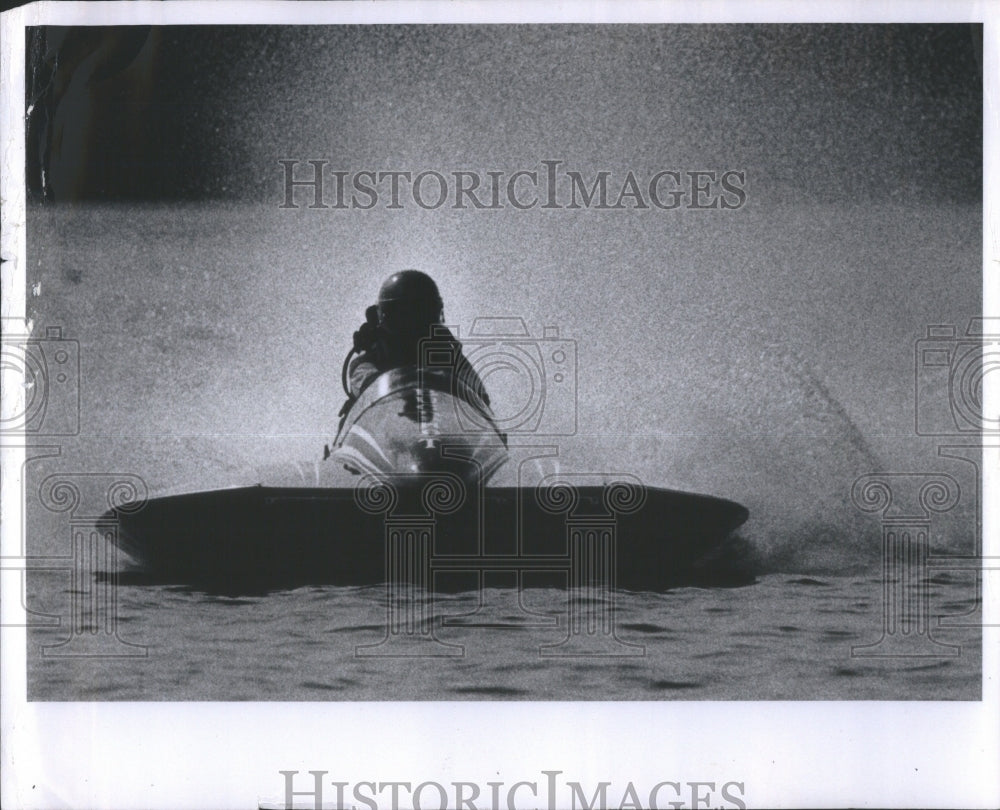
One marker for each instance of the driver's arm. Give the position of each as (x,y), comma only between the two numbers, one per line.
(361,372)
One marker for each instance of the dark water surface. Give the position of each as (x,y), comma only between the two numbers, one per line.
(783,638)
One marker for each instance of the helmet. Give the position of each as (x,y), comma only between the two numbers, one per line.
(409,302)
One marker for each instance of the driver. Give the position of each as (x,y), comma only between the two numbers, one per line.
(409,309)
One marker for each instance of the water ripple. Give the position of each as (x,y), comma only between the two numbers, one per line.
(644,627)
(671,685)
(490,691)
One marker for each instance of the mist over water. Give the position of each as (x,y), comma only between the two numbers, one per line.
(211,339)
(763,354)
(802,471)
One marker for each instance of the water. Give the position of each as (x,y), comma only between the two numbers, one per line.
(211,338)
(784,638)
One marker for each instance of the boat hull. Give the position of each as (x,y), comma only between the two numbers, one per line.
(404,496)
(268,537)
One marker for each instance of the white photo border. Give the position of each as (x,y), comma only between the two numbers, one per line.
(208,755)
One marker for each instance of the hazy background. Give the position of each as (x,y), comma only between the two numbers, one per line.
(764,354)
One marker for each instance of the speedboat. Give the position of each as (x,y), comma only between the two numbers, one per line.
(411,488)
